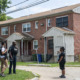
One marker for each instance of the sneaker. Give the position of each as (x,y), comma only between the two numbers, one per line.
(3,75)
(62,76)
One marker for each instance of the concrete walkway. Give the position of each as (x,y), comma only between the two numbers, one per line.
(49,73)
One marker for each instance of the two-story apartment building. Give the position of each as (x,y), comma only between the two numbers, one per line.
(30,31)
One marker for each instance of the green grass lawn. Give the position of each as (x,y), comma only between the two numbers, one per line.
(21,75)
(51,64)
(72,64)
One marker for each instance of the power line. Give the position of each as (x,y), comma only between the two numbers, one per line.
(19,3)
(33,4)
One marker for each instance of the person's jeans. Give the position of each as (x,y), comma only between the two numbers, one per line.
(12,62)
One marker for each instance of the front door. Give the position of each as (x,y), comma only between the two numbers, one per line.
(29,48)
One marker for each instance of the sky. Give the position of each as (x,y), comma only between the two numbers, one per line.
(51,4)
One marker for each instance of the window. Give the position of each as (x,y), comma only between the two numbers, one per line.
(35,44)
(49,22)
(26,27)
(62,21)
(4,31)
(36,24)
(50,44)
(14,28)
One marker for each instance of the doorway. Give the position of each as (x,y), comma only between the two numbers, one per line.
(29,48)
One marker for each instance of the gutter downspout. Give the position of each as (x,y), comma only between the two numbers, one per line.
(45,44)
(46,24)
(9,30)
(21,49)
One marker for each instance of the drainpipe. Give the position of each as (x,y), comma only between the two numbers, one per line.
(45,49)
(45,45)
(65,47)
(9,30)
(46,24)
(22,49)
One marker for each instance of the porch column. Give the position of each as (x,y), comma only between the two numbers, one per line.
(45,48)
(53,50)
(22,49)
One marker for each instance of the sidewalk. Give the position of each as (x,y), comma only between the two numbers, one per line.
(48,73)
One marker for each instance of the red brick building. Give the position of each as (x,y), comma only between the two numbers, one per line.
(31,28)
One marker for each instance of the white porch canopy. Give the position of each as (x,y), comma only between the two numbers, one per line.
(61,37)
(19,37)
(56,31)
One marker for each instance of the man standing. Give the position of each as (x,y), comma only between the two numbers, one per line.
(3,58)
(13,50)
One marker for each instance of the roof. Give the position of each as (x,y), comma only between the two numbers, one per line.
(50,12)
(19,36)
(65,30)
(57,31)
(27,35)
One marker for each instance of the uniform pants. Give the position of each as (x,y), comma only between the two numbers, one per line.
(12,63)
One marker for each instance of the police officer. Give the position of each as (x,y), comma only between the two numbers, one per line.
(13,50)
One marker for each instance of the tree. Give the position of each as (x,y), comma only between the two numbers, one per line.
(3,17)
(9,17)
(3,7)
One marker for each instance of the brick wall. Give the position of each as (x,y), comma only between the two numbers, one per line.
(37,33)
(76,28)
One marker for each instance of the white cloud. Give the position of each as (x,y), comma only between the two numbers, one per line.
(38,9)
(35,10)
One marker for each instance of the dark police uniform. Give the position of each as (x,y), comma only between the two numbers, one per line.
(13,50)
(62,63)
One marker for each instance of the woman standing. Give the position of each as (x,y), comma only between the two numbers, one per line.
(3,58)
(62,62)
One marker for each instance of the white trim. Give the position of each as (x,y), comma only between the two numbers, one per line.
(77,10)
(33,44)
(26,23)
(62,16)
(35,25)
(1,30)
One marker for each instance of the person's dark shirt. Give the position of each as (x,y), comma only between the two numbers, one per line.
(13,50)
(63,59)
